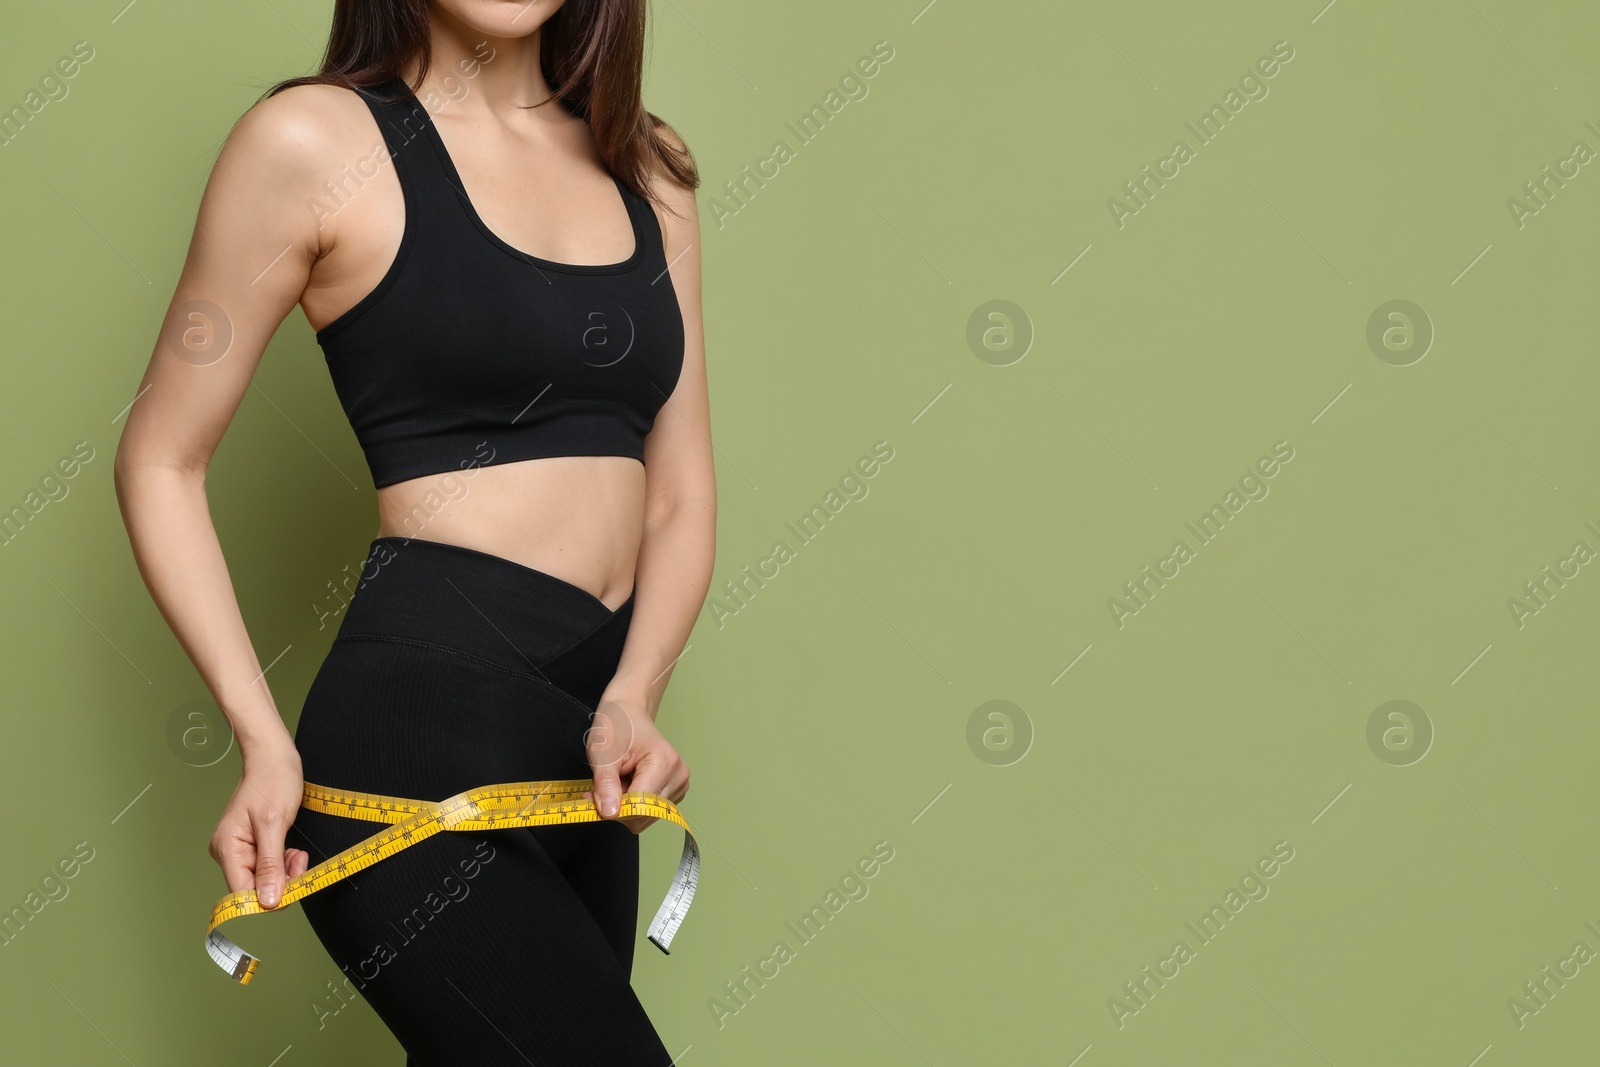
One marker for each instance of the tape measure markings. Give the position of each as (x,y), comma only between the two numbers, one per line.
(494,807)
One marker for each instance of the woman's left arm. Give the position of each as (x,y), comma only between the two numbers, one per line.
(626,750)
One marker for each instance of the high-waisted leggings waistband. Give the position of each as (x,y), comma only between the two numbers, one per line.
(487,608)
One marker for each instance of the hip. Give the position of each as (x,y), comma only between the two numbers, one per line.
(453,668)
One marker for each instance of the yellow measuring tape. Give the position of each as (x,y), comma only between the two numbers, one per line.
(494,807)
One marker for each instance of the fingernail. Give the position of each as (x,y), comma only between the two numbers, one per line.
(608,805)
(268,895)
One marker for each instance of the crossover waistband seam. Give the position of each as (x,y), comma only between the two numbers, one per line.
(434,646)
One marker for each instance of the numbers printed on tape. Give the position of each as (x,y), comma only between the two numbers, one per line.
(494,807)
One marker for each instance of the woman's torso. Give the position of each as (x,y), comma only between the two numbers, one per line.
(535,212)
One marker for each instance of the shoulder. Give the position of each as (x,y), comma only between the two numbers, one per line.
(277,160)
(299,132)
(667,189)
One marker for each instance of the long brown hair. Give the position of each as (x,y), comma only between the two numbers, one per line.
(591,52)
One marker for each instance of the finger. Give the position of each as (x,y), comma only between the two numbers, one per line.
(296,860)
(677,786)
(650,776)
(269,859)
(237,858)
(607,789)
(639,823)
(609,739)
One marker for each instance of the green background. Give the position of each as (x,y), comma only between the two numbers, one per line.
(1227,715)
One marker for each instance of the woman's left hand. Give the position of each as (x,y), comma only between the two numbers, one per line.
(628,754)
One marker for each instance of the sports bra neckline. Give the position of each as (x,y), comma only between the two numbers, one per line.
(400,86)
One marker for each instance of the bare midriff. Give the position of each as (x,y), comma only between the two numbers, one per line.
(577,518)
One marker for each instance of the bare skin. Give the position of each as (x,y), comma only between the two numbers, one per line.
(607,524)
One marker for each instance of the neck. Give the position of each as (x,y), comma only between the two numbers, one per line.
(474,74)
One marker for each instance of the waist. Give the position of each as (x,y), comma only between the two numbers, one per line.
(577,518)
(476,604)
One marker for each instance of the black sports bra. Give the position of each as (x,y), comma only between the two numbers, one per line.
(471,352)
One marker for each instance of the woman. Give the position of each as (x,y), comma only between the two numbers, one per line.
(505,281)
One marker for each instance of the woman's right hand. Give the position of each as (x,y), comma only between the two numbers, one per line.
(248,842)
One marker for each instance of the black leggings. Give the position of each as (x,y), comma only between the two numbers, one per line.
(452,669)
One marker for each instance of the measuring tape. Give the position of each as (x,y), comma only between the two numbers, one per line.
(494,807)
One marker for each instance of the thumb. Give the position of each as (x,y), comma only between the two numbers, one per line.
(607,790)
(269,863)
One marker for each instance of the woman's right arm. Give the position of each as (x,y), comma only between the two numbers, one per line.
(249,261)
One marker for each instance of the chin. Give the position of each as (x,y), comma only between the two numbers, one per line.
(498,18)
